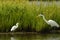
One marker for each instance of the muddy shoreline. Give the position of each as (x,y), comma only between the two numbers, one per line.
(52,32)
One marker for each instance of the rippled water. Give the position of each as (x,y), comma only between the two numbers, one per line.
(30,37)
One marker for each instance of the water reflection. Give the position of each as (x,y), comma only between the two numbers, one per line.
(30,37)
(12,38)
(37,37)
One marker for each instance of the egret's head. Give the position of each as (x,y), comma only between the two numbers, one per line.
(40,15)
(17,23)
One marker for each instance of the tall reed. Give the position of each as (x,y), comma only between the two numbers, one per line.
(25,13)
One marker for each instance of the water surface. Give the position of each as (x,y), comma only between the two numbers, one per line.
(30,37)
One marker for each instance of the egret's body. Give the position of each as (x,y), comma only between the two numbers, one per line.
(14,27)
(50,22)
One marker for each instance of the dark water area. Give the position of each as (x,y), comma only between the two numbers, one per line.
(30,37)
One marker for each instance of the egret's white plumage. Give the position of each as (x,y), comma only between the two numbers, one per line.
(49,22)
(53,23)
(14,27)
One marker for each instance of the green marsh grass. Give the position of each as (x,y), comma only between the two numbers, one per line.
(25,13)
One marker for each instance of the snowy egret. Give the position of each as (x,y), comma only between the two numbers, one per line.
(14,27)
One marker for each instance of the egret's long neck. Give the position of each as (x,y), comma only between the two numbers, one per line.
(17,25)
(45,19)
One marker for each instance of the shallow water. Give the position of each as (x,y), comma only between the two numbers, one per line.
(30,37)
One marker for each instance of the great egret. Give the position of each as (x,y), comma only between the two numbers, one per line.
(52,23)
(14,27)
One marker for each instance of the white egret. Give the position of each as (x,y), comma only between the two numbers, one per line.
(52,23)
(14,27)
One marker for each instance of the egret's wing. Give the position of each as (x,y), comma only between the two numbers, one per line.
(13,28)
(53,23)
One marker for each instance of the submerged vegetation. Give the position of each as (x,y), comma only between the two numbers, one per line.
(25,13)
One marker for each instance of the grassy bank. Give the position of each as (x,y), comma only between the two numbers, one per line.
(25,13)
